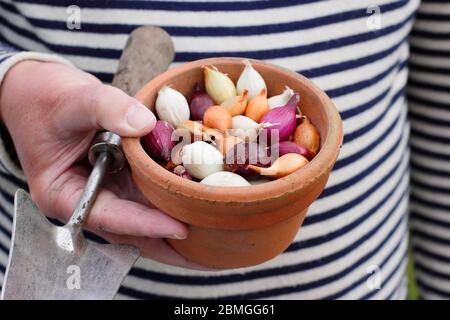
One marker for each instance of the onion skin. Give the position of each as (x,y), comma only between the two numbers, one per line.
(225,143)
(159,142)
(238,158)
(225,179)
(306,135)
(219,118)
(282,167)
(281,99)
(176,155)
(245,128)
(172,106)
(218,85)
(236,105)
(170,165)
(258,106)
(181,172)
(190,127)
(200,102)
(250,80)
(201,159)
(211,135)
(285,147)
(283,118)
(220,141)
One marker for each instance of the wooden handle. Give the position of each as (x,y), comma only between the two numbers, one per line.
(148,52)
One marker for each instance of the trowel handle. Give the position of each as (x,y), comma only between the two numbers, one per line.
(106,156)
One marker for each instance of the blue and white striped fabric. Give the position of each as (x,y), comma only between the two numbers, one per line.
(429,108)
(360,221)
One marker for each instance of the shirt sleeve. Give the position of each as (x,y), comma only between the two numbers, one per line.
(9,56)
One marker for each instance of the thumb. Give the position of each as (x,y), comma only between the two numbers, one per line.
(99,106)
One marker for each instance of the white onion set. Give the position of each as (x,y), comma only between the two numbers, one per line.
(251,81)
(172,106)
(281,99)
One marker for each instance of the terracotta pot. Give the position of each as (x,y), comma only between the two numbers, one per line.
(238,227)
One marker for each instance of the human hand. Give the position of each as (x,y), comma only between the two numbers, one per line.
(52,112)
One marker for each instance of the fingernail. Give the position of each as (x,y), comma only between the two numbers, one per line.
(140,117)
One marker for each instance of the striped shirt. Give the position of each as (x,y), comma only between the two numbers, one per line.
(358,52)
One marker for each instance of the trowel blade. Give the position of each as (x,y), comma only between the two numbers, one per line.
(40,268)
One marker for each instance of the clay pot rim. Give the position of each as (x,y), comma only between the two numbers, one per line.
(144,165)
